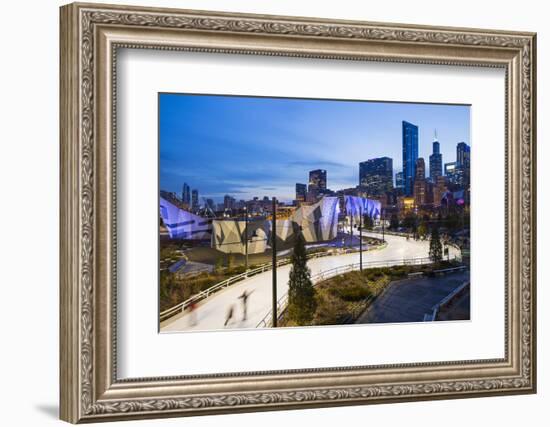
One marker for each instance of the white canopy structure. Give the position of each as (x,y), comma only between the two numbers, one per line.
(357,206)
(182,224)
(317,223)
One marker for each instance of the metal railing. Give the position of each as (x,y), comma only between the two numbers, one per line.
(452,269)
(327,274)
(217,287)
(389,232)
(405,234)
(432,316)
(178,308)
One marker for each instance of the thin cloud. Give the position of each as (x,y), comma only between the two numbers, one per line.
(317,163)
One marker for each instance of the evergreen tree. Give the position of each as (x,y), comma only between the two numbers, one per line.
(301,295)
(436,249)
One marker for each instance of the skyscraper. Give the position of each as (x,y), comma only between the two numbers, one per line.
(420,184)
(436,161)
(410,154)
(463,164)
(195,199)
(420,169)
(301,192)
(228,202)
(186,194)
(318,180)
(462,154)
(451,172)
(399,181)
(317,185)
(376,175)
(439,190)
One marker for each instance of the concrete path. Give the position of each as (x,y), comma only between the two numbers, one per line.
(212,312)
(408,300)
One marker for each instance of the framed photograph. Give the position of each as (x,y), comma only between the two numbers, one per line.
(265,212)
(334,249)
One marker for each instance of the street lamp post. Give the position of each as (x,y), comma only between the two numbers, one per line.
(274,261)
(462,239)
(415,229)
(246,239)
(361,239)
(383,221)
(351,228)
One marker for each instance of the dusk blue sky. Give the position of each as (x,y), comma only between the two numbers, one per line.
(248,146)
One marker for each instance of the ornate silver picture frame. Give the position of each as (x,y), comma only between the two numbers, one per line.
(91,35)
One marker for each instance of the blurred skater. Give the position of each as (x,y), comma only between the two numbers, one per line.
(244,296)
(229,315)
(192,313)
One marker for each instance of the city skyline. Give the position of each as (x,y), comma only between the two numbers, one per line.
(296,136)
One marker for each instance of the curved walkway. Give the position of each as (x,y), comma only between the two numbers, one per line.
(409,299)
(211,313)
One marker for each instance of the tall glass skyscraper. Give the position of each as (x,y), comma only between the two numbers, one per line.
(195,199)
(463,164)
(436,162)
(318,180)
(301,192)
(462,154)
(376,175)
(410,154)
(186,194)
(399,181)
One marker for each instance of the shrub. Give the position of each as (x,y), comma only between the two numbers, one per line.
(330,308)
(398,272)
(354,292)
(237,270)
(373,274)
(218,268)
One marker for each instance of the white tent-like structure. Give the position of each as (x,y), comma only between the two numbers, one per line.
(357,206)
(182,224)
(317,223)
(229,236)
